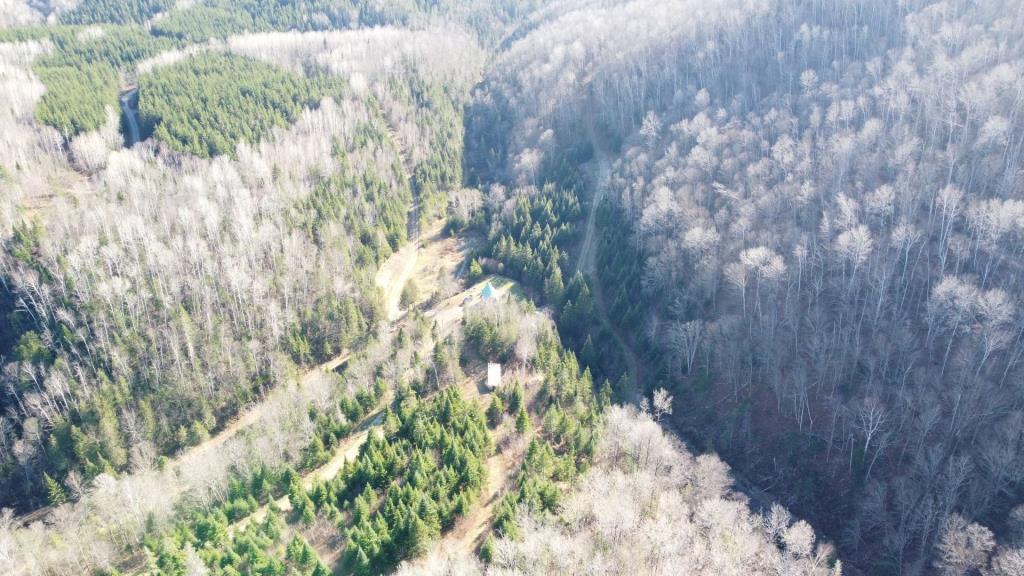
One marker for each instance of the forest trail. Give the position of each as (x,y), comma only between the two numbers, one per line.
(129,107)
(402,261)
(434,257)
(413,226)
(587,261)
(393,276)
(428,262)
(470,531)
(194,455)
(759,500)
(431,261)
(601,174)
(346,451)
(395,273)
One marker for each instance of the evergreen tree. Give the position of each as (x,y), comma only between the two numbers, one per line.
(315,454)
(605,397)
(487,549)
(55,493)
(523,421)
(171,560)
(495,411)
(515,398)
(553,287)
(588,355)
(419,537)
(211,528)
(308,514)
(362,562)
(476,271)
(362,506)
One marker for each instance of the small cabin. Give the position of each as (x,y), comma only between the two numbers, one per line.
(488,292)
(493,376)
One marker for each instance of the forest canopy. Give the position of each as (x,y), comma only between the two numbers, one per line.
(82,73)
(115,11)
(77,98)
(809,227)
(788,231)
(223,18)
(207,104)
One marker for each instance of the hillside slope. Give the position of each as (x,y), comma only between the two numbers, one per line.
(812,236)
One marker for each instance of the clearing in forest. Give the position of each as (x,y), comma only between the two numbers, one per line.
(430,262)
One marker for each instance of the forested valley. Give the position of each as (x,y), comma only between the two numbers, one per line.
(462,287)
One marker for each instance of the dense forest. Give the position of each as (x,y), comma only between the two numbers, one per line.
(651,478)
(207,104)
(748,270)
(81,71)
(193,260)
(115,11)
(808,237)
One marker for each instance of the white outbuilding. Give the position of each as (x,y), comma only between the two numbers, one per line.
(493,375)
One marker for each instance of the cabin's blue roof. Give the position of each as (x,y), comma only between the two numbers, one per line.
(488,292)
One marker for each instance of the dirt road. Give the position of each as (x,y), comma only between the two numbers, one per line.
(346,451)
(602,174)
(394,274)
(469,532)
(255,413)
(428,261)
(129,107)
(587,261)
